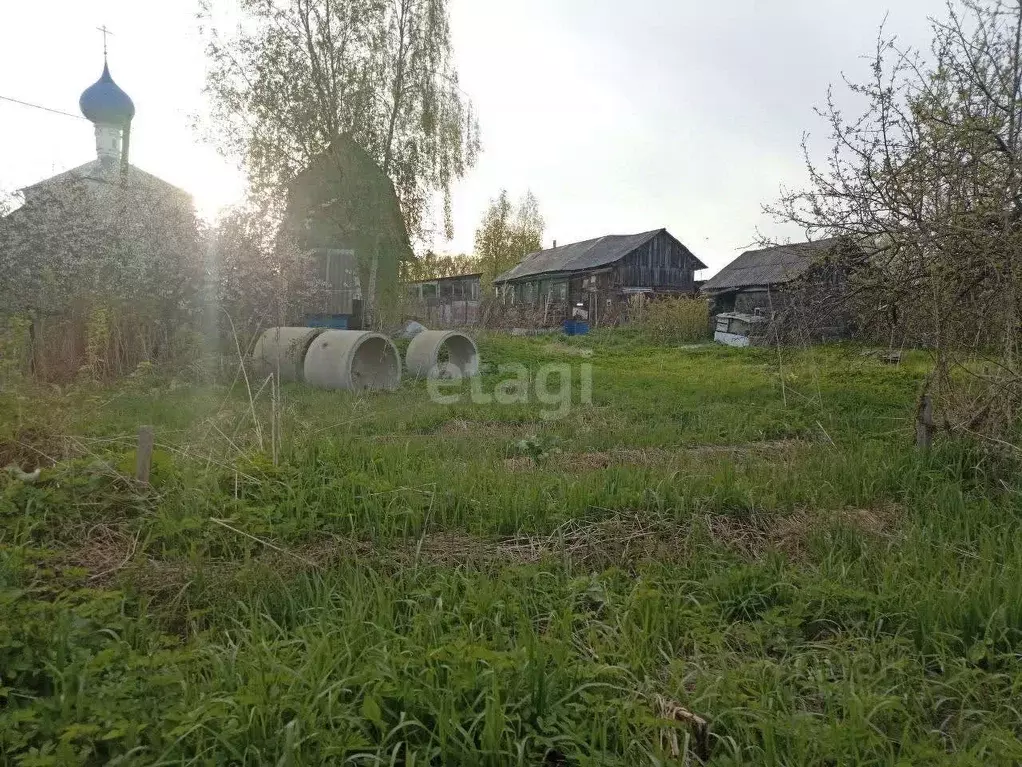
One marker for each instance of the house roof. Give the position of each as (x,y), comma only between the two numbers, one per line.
(107,173)
(770,266)
(344,197)
(453,278)
(584,256)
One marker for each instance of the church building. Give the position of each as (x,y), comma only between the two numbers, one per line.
(104,239)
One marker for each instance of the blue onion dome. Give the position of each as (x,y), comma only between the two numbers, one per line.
(105,103)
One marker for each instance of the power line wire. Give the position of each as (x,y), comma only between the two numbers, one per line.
(44,109)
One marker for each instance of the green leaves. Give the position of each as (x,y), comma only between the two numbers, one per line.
(507,234)
(372,712)
(414,597)
(298,75)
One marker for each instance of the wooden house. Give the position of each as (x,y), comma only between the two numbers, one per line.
(344,210)
(799,287)
(592,279)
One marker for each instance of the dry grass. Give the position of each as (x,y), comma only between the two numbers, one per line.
(104,551)
(674,320)
(458,427)
(566,350)
(578,463)
(752,537)
(31,448)
(627,539)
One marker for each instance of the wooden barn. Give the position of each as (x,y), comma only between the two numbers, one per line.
(592,279)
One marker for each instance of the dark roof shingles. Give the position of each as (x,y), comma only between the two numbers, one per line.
(582,256)
(770,266)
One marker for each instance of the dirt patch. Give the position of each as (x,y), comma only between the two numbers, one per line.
(578,463)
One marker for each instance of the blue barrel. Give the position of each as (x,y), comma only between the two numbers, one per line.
(329,321)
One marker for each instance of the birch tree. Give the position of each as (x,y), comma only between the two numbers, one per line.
(508,233)
(296,74)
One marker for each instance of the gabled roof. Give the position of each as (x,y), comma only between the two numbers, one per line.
(452,278)
(107,173)
(770,266)
(585,256)
(343,196)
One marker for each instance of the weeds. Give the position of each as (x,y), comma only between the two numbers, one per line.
(701,573)
(673,320)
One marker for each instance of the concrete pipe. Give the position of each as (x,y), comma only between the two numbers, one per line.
(284,349)
(354,360)
(430,349)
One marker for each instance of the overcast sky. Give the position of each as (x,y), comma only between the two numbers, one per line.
(620,116)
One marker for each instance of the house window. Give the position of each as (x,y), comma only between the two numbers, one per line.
(559,291)
(429,290)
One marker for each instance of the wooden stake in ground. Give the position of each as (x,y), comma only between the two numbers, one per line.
(924,426)
(144,456)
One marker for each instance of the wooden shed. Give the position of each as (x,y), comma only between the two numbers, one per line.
(591,278)
(445,301)
(800,287)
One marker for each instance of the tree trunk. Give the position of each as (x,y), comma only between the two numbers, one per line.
(388,156)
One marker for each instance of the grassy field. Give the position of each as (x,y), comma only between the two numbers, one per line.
(741,536)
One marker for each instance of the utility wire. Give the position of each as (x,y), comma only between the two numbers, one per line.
(45,109)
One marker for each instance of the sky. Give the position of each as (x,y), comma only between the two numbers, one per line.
(620,117)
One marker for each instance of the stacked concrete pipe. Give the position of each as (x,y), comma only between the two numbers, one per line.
(423,356)
(354,360)
(283,350)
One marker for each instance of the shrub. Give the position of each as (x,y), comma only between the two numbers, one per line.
(673,320)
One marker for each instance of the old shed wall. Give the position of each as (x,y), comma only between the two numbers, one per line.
(661,263)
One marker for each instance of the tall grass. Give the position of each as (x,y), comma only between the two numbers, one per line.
(404,588)
(673,320)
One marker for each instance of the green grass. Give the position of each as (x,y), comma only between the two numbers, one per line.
(750,536)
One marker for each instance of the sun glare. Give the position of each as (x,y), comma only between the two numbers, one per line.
(213,183)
